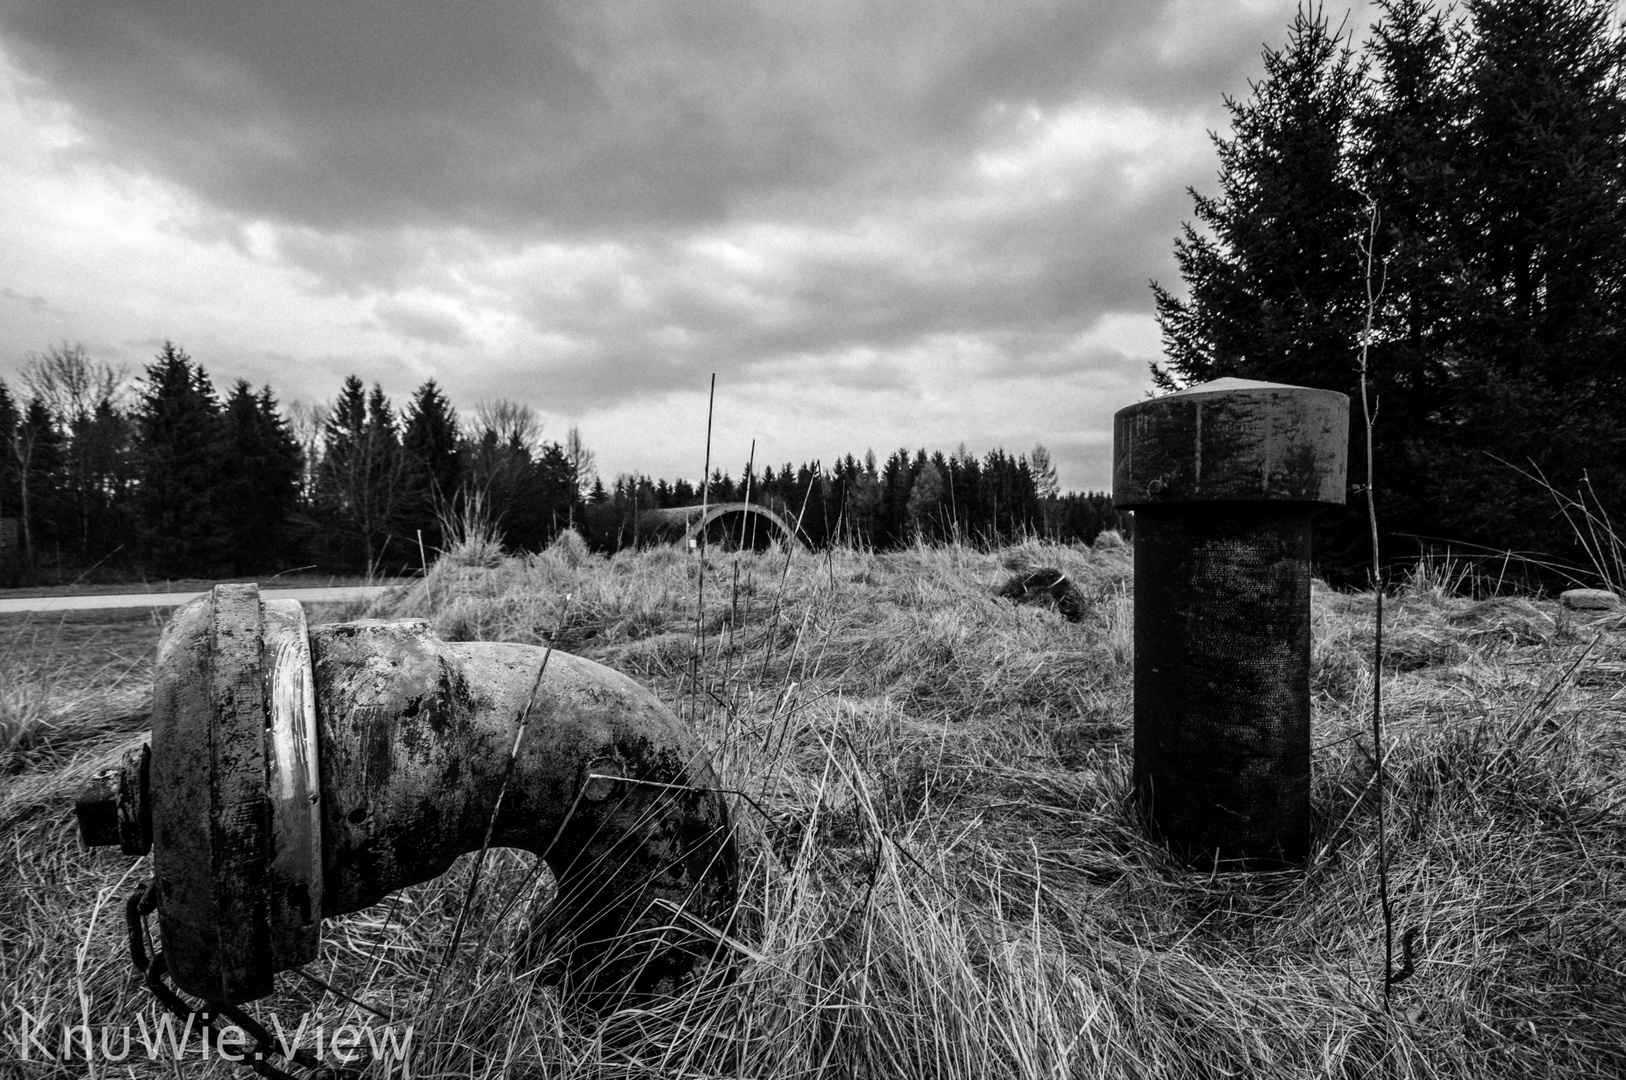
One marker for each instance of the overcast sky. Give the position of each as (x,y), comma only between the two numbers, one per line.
(909,223)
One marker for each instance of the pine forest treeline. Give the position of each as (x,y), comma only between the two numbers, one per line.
(1488,140)
(167,476)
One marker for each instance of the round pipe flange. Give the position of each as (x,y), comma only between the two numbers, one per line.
(236,815)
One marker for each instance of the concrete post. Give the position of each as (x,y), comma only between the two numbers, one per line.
(1222,479)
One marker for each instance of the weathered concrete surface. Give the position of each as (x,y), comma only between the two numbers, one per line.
(1222,479)
(1232,440)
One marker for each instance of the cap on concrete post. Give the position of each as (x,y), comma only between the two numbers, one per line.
(1222,478)
(1232,440)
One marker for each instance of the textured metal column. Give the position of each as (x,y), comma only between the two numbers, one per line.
(1222,479)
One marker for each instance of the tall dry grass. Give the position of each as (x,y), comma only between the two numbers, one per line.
(942,878)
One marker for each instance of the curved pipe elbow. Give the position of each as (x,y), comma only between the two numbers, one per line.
(607,787)
(297,773)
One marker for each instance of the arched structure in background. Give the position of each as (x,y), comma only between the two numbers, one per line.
(745,524)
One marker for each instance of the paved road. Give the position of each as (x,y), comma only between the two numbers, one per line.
(12,605)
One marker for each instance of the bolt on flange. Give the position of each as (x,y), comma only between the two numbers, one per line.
(114,807)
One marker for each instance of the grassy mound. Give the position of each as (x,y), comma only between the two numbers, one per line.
(942,877)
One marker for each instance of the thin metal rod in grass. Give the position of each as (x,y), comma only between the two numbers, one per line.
(735,623)
(700,543)
(1368,244)
(370,963)
(340,994)
(750,476)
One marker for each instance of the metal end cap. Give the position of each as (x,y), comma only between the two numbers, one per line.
(235,854)
(1232,440)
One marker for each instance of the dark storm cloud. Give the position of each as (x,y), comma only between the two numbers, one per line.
(422,322)
(1026,277)
(575,117)
(934,208)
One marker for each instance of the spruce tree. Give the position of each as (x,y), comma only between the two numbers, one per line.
(1275,282)
(1541,385)
(37,456)
(360,485)
(1409,156)
(925,497)
(434,466)
(891,521)
(1492,151)
(260,473)
(11,540)
(9,419)
(179,505)
(556,489)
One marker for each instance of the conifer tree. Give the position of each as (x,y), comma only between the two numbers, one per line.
(925,495)
(556,490)
(1540,380)
(1275,283)
(891,522)
(360,486)
(430,441)
(178,502)
(1492,149)
(9,419)
(260,473)
(503,471)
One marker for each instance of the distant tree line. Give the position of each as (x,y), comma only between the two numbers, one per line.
(171,478)
(168,477)
(1487,140)
(910,498)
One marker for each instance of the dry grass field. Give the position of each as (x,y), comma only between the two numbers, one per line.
(941,877)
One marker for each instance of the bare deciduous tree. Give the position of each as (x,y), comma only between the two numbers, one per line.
(581,467)
(71,384)
(305,423)
(85,400)
(513,422)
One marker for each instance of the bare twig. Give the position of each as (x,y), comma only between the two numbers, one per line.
(700,550)
(1369,414)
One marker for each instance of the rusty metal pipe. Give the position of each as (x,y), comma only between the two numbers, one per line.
(1223,478)
(299,773)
